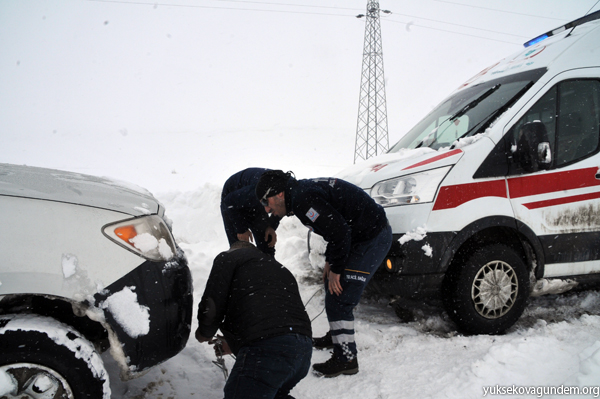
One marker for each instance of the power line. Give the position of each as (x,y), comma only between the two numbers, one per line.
(291,5)
(154,4)
(496,10)
(452,31)
(460,25)
(596,3)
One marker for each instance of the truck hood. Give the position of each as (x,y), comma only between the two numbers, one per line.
(388,166)
(75,188)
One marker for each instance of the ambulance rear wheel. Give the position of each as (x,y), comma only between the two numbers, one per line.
(486,290)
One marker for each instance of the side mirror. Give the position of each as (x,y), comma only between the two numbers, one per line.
(533,147)
(544,155)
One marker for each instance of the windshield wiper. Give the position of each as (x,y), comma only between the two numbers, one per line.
(474,103)
(460,113)
(485,122)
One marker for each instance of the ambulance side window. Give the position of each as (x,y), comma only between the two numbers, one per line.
(566,120)
(578,121)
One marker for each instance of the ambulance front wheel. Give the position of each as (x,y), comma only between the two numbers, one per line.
(486,290)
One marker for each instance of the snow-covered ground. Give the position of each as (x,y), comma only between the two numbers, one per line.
(556,343)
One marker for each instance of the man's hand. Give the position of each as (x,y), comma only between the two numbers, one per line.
(334,283)
(221,346)
(246,236)
(335,287)
(270,237)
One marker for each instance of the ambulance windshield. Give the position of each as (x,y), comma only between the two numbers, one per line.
(468,112)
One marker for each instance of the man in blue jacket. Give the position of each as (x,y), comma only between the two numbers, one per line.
(358,236)
(244,217)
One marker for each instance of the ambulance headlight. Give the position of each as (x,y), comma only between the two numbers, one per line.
(411,189)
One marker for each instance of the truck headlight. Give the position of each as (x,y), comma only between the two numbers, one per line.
(146,236)
(411,189)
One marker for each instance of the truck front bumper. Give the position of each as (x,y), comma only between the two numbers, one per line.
(165,290)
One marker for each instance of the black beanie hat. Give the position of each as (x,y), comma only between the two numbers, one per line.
(271,183)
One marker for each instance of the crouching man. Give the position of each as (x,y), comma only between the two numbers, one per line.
(256,304)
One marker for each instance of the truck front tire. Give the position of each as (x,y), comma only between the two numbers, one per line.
(47,360)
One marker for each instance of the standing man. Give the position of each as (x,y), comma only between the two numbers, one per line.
(243,216)
(358,236)
(255,302)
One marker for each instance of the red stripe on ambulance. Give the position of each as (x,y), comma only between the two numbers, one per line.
(561,201)
(552,182)
(434,159)
(453,196)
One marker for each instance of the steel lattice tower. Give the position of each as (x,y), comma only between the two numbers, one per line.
(371,129)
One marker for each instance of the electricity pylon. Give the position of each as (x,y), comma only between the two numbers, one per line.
(371,129)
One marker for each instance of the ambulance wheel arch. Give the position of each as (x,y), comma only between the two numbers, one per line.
(494,229)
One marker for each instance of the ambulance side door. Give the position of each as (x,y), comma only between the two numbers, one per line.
(554,174)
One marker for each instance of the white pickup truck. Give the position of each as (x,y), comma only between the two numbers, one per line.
(86,264)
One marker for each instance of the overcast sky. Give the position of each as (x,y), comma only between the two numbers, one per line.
(74,72)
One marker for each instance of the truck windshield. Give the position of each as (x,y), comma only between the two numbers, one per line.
(468,112)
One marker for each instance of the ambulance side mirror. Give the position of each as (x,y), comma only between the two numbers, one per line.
(544,155)
(533,147)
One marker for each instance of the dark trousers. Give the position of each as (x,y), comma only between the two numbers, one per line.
(269,368)
(365,258)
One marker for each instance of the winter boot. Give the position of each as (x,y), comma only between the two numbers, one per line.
(334,367)
(324,342)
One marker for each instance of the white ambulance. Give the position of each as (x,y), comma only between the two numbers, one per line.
(497,190)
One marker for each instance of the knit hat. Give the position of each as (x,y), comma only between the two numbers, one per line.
(271,183)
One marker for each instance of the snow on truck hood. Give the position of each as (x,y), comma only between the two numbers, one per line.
(404,162)
(75,188)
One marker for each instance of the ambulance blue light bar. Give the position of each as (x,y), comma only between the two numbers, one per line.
(579,21)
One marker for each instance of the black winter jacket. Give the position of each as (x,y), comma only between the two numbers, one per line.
(239,202)
(342,213)
(250,296)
